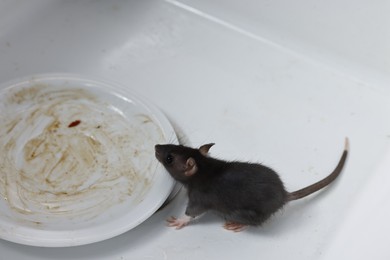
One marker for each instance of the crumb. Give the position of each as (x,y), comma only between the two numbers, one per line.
(74,123)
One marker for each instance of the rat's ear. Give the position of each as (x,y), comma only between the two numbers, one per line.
(191,167)
(204,149)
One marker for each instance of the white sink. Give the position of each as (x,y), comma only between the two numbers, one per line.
(277,82)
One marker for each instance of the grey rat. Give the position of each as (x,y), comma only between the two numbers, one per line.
(242,193)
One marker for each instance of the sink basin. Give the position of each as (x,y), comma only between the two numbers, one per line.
(275,82)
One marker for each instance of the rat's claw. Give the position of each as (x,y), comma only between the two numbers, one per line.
(171,219)
(235,227)
(172,222)
(178,222)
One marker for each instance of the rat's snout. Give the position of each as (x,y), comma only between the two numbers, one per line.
(157,148)
(158,152)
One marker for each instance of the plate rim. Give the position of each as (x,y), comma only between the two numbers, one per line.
(115,88)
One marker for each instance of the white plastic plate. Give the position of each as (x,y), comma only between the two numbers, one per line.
(77,160)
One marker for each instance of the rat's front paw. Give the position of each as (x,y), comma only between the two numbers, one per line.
(178,222)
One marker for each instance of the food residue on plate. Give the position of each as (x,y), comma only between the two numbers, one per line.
(74,123)
(51,169)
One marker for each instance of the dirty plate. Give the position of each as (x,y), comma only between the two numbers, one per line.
(77,160)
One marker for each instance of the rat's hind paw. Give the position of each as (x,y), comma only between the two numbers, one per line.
(178,222)
(233,226)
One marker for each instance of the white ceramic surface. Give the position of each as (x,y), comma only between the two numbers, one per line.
(77,162)
(279,82)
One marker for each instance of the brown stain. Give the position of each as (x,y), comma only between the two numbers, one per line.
(11,126)
(24,94)
(145,119)
(53,126)
(32,149)
(74,123)
(71,171)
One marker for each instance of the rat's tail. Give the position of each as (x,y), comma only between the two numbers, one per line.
(324,182)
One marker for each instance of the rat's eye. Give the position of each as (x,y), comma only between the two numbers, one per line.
(169,159)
